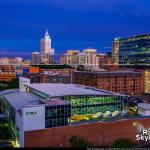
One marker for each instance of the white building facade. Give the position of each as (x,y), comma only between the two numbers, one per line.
(45,44)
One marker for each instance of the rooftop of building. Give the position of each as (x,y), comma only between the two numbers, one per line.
(35,52)
(111,72)
(54,74)
(55,66)
(57,90)
(53,102)
(19,100)
(145,97)
(144,106)
(133,37)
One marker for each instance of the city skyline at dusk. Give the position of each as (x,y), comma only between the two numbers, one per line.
(75,73)
(71,24)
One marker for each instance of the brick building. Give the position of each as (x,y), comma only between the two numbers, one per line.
(48,115)
(49,74)
(7,77)
(7,68)
(55,78)
(100,134)
(125,82)
(59,71)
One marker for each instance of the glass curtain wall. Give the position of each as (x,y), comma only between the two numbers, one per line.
(91,104)
(57,115)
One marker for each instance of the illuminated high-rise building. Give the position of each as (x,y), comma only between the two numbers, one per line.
(133,50)
(46,53)
(45,44)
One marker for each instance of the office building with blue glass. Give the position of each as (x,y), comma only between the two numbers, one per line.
(133,50)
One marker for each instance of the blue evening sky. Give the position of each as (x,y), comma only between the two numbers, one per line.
(72,24)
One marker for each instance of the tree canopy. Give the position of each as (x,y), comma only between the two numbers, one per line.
(80,68)
(123,143)
(78,142)
(13,84)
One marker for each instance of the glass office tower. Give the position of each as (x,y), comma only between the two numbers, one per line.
(134,50)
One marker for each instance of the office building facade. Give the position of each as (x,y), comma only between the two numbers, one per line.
(46,51)
(125,82)
(46,54)
(88,58)
(36,107)
(134,50)
(7,76)
(35,58)
(45,44)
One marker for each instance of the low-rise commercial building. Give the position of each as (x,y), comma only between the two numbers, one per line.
(7,76)
(36,107)
(4,61)
(57,112)
(59,71)
(7,68)
(11,61)
(55,78)
(48,78)
(125,82)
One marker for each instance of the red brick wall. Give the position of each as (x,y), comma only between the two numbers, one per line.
(7,68)
(115,84)
(98,133)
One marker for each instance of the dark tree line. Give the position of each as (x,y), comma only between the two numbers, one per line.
(13,84)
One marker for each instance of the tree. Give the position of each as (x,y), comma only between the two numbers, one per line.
(77,142)
(13,84)
(5,133)
(123,143)
(80,68)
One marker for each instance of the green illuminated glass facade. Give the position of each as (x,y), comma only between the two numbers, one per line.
(91,104)
(134,50)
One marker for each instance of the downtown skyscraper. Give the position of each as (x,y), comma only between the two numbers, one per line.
(46,55)
(45,44)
